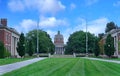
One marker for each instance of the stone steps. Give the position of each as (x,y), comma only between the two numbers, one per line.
(61,56)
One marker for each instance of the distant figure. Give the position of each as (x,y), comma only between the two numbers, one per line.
(59,44)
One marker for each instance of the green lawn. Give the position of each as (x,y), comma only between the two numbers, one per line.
(68,67)
(11,60)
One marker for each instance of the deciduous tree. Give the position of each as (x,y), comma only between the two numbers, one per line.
(96,47)
(30,48)
(77,43)
(44,40)
(110,26)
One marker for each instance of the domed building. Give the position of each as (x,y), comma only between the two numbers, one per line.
(59,44)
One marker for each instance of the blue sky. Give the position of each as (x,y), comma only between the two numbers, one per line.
(67,16)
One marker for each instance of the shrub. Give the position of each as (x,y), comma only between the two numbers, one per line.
(7,53)
(2,50)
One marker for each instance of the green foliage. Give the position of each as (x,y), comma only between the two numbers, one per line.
(110,26)
(2,50)
(7,53)
(100,35)
(30,48)
(101,46)
(77,43)
(119,46)
(45,42)
(109,46)
(96,47)
(21,45)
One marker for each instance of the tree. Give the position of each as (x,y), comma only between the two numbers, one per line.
(30,48)
(44,40)
(110,26)
(21,45)
(109,46)
(100,35)
(2,50)
(96,47)
(77,43)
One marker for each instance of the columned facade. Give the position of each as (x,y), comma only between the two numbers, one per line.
(115,33)
(59,50)
(10,37)
(14,40)
(59,44)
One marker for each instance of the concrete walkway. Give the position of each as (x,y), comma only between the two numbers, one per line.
(17,65)
(113,61)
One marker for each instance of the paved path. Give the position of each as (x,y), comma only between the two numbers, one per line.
(113,61)
(17,65)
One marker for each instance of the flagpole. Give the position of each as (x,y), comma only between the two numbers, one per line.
(86,40)
(37,39)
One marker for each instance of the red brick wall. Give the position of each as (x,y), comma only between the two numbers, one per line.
(2,36)
(5,37)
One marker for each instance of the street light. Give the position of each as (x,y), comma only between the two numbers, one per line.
(86,41)
(37,38)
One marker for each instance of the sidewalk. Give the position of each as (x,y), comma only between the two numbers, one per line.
(17,65)
(113,61)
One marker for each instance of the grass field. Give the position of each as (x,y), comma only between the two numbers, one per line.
(11,60)
(68,67)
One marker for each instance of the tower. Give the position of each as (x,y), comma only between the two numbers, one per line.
(59,43)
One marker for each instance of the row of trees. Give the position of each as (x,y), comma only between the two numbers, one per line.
(77,42)
(28,44)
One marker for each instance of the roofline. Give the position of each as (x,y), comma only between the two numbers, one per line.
(4,27)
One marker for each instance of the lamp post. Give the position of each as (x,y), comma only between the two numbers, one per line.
(86,41)
(37,39)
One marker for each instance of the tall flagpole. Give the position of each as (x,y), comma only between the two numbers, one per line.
(37,38)
(86,40)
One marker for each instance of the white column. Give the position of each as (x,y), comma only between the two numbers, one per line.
(117,44)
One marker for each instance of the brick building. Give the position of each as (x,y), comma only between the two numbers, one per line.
(9,36)
(115,33)
(59,44)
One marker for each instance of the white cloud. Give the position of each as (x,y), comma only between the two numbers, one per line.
(43,6)
(16,5)
(26,25)
(45,22)
(116,4)
(72,6)
(90,2)
(52,22)
(52,34)
(95,27)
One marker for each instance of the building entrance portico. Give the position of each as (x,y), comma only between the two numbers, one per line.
(59,50)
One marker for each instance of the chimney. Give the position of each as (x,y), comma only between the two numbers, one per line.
(3,22)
